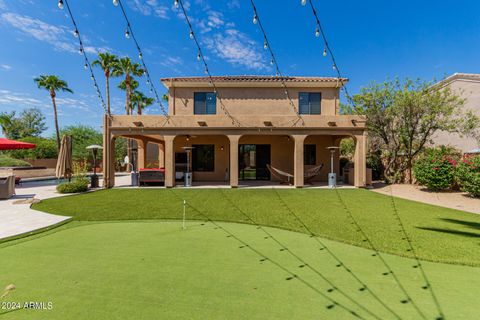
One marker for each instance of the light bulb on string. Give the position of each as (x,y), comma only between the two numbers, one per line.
(175,3)
(60,4)
(199,57)
(127,34)
(91,77)
(325,52)
(271,62)
(334,67)
(85,66)
(265,45)
(148,82)
(140,56)
(304,2)
(317,32)
(80,50)
(255,18)
(206,70)
(115,2)
(191,34)
(75,33)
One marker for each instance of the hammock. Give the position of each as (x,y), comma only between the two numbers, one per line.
(286,177)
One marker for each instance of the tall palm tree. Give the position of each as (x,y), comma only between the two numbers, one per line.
(107,62)
(140,101)
(53,84)
(125,67)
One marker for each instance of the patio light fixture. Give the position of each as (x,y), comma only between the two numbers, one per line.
(202,123)
(268,123)
(94,177)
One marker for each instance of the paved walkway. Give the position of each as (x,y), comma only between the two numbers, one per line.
(17,218)
(450,199)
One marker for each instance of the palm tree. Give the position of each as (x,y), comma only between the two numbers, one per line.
(106,61)
(53,84)
(140,101)
(125,67)
(6,122)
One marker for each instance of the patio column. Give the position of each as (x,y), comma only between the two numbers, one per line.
(161,155)
(112,163)
(298,166)
(360,169)
(169,162)
(106,152)
(234,160)
(142,153)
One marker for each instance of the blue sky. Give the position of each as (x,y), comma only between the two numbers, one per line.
(372,40)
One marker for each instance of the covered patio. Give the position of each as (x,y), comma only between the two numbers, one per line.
(234,157)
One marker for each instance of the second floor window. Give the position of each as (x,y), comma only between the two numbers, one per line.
(309,102)
(205,103)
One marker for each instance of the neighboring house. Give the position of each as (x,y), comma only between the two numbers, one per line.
(249,123)
(468,87)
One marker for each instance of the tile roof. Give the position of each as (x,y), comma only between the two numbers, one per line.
(247,78)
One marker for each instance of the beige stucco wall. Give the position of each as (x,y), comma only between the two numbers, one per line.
(470,91)
(247,101)
(282,148)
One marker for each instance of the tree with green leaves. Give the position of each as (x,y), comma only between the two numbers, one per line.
(402,118)
(125,67)
(106,62)
(140,101)
(30,123)
(53,84)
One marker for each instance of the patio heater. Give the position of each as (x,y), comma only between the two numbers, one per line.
(332,176)
(134,173)
(188,174)
(94,177)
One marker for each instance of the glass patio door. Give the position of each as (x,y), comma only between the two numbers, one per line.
(253,160)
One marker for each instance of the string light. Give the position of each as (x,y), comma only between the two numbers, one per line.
(304,2)
(325,52)
(256,20)
(142,61)
(201,58)
(175,3)
(81,50)
(115,3)
(317,32)
(127,34)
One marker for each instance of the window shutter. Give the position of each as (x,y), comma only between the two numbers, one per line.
(199,106)
(211,103)
(303,107)
(315,99)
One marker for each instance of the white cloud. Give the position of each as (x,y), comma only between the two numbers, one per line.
(17,99)
(237,48)
(233,4)
(5,66)
(150,7)
(60,37)
(2,5)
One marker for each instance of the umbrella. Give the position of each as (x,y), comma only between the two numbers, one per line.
(6,144)
(64,162)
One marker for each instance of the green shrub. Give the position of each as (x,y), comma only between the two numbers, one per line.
(45,149)
(435,169)
(75,186)
(10,162)
(468,175)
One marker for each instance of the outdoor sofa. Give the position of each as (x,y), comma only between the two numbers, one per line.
(148,176)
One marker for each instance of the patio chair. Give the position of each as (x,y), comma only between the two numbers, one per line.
(7,187)
(287,178)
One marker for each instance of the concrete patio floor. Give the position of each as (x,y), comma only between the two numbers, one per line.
(16,217)
(449,199)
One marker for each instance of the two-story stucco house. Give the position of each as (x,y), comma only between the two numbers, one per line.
(467,86)
(251,121)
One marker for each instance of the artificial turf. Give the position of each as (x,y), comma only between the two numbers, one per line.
(156,270)
(437,234)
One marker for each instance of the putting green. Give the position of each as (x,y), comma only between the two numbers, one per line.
(155,270)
